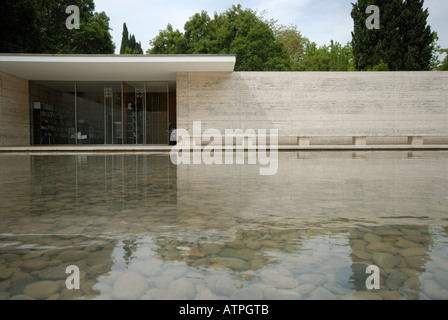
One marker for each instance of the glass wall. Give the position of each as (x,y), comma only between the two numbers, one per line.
(98,110)
(134,112)
(157,102)
(89,112)
(52,113)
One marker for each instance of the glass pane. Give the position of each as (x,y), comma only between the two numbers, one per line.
(53,112)
(133,109)
(157,123)
(96,115)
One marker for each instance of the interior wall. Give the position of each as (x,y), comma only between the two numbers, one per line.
(14,111)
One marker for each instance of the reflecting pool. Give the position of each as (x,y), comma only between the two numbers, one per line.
(139,227)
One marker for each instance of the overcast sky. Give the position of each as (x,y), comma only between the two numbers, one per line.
(318,20)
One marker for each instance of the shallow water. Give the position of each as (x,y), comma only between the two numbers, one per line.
(139,227)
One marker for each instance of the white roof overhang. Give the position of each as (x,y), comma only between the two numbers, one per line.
(111,67)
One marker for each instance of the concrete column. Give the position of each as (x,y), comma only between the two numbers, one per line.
(359,141)
(303,141)
(415,141)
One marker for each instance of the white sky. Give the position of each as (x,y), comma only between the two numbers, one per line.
(318,20)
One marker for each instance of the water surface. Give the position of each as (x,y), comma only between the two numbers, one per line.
(139,227)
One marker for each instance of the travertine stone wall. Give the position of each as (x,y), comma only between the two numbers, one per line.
(319,106)
(14,111)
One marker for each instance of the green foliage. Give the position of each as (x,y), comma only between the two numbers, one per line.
(128,43)
(403,42)
(293,42)
(236,31)
(168,41)
(39,26)
(444,65)
(124,39)
(94,36)
(334,57)
(18,25)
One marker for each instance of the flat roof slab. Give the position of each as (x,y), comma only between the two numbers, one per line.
(111,67)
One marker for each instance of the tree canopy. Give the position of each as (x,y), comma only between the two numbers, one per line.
(236,31)
(404,41)
(128,43)
(39,26)
(260,44)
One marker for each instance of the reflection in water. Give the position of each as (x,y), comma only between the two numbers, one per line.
(139,227)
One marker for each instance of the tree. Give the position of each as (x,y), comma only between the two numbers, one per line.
(293,42)
(403,41)
(418,40)
(124,39)
(244,33)
(200,34)
(334,57)
(168,41)
(39,26)
(444,65)
(18,25)
(370,46)
(236,31)
(94,36)
(128,43)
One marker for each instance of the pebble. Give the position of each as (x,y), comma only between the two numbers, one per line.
(163,282)
(413,283)
(149,268)
(4,295)
(18,285)
(413,251)
(204,293)
(21,297)
(321,293)
(53,273)
(366,295)
(5,273)
(233,263)
(211,248)
(73,255)
(441,276)
(175,273)
(129,286)
(403,243)
(182,289)
(317,279)
(371,238)
(221,285)
(382,247)
(385,260)
(102,288)
(41,289)
(31,265)
(250,293)
(395,280)
(279,281)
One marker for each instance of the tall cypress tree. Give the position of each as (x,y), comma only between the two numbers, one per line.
(128,43)
(417,36)
(374,47)
(403,42)
(124,39)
